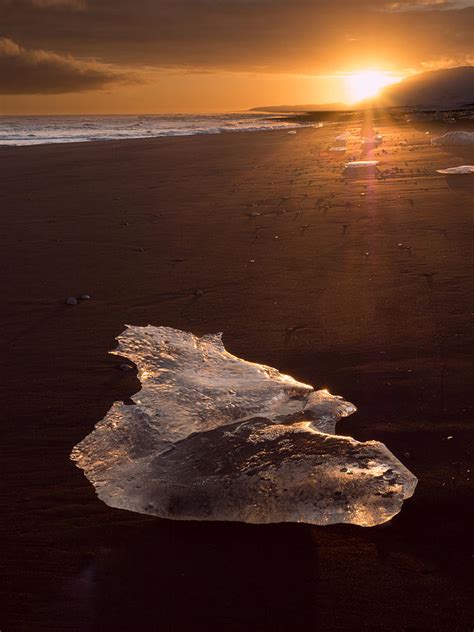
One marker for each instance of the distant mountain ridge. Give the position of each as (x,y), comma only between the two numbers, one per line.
(438,89)
(449,88)
(287,109)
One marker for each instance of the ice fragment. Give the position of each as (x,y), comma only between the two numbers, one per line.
(213,437)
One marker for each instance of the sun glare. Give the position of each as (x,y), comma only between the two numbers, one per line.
(367,83)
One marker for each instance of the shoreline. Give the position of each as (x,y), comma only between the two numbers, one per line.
(157,138)
(283,124)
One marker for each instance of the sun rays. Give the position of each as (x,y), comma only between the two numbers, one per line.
(367,83)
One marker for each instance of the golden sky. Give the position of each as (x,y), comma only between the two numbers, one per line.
(127,56)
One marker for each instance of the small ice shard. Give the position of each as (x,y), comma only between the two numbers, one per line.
(358,166)
(370,141)
(454,171)
(454,138)
(213,437)
(340,142)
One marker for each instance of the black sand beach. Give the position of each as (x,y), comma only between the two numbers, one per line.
(362,286)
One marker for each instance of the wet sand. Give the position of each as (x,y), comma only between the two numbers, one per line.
(363,286)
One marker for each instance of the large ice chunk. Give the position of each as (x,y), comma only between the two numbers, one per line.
(213,437)
(361,164)
(454,138)
(456,171)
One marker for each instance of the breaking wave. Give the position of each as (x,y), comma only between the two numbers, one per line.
(40,130)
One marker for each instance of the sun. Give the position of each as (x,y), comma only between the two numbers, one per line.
(367,83)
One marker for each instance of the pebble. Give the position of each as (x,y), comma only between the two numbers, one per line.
(71,300)
(85,297)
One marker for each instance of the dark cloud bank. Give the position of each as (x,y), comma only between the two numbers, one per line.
(306,36)
(25,71)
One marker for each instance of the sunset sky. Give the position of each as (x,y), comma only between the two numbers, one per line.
(144,56)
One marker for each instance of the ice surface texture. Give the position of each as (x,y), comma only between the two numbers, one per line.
(213,437)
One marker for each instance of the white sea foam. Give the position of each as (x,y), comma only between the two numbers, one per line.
(40,130)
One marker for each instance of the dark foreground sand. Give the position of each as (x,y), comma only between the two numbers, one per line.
(335,301)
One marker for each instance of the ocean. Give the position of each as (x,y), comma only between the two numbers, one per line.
(40,130)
